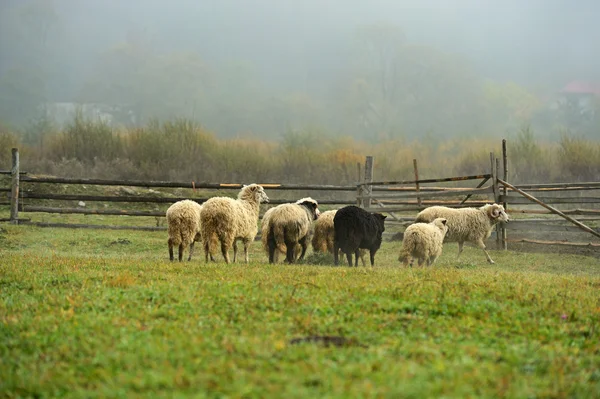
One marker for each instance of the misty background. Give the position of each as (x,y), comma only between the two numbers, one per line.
(371,70)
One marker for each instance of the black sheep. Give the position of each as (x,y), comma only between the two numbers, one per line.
(356,228)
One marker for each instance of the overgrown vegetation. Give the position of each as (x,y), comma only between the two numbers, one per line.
(183,150)
(86,313)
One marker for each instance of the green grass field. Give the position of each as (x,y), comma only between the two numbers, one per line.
(98,313)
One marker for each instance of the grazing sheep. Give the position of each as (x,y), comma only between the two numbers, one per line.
(423,241)
(226,220)
(289,226)
(356,228)
(264,232)
(467,224)
(324,235)
(183,225)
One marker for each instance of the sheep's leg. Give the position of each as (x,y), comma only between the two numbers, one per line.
(180,252)
(460,248)
(431,260)
(356,255)
(372,256)
(207,252)
(246,245)
(421,261)
(234,250)
(481,245)
(289,256)
(290,246)
(349,258)
(304,245)
(170,242)
(191,251)
(336,254)
(225,251)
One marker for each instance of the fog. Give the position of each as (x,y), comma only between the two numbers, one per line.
(367,69)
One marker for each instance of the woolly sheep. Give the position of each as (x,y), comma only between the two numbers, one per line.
(226,220)
(356,228)
(423,241)
(467,224)
(289,226)
(264,232)
(324,235)
(183,226)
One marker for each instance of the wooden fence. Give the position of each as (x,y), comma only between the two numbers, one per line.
(400,199)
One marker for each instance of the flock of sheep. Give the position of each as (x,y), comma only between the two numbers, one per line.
(287,228)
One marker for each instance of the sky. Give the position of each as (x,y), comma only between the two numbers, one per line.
(304,45)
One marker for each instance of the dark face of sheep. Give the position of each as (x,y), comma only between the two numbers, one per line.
(311,205)
(497,213)
(380,224)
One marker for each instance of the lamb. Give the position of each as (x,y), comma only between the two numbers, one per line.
(356,228)
(324,234)
(423,241)
(289,226)
(467,224)
(183,226)
(226,220)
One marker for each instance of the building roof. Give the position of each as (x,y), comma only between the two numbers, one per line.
(581,87)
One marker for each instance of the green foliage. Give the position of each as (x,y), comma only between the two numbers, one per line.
(181,145)
(528,160)
(87,313)
(579,157)
(8,140)
(86,140)
(180,149)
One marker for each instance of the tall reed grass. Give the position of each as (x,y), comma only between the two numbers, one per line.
(183,150)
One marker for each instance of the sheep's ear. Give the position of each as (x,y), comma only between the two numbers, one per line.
(495,212)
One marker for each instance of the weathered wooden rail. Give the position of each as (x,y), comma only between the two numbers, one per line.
(401,199)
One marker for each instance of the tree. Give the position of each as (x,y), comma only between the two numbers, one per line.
(402,88)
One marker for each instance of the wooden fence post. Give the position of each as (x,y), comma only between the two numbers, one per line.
(368,178)
(498,226)
(504,191)
(417,181)
(359,188)
(14,193)
(495,187)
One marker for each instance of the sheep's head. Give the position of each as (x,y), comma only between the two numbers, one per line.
(254,192)
(311,205)
(496,213)
(380,223)
(441,223)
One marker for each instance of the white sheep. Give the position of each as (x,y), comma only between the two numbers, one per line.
(324,235)
(467,224)
(226,220)
(264,232)
(183,226)
(289,225)
(423,241)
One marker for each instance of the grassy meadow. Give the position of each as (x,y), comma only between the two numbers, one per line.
(98,313)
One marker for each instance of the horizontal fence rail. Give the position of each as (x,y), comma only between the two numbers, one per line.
(447,193)
(423,181)
(401,199)
(190,184)
(517,200)
(157,200)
